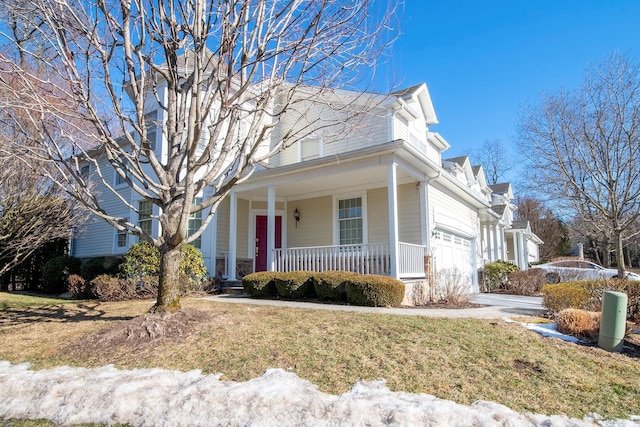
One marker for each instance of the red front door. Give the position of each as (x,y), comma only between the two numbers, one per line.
(261,240)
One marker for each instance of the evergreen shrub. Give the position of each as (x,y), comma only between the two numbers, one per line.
(374,291)
(261,284)
(56,271)
(560,296)
(142,265)
(295,284)
(496,274)
(331,284)
(94,267)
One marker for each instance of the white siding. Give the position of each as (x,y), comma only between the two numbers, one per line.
(408,215)
(96,237)
(315,227)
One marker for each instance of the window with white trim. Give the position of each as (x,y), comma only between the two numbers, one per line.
(195,222)
(310,148)
(121,237)
(350,221)
(145,210)
(151,123)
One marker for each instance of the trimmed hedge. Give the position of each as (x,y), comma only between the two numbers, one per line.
(374,291)
(261,284)
(558,297)
(295,284)
(331,284)
(587,294)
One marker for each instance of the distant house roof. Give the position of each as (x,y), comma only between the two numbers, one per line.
(520,224)
(502,188)
(499,209)
(460,160)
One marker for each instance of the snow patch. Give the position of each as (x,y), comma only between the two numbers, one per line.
(157,397)
(546,330)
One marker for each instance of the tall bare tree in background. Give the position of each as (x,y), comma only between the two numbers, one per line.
(583,149)
(545,225)
(222,72)
(495,160)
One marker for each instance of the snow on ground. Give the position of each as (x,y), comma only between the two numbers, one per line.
(549,330)
(156,397)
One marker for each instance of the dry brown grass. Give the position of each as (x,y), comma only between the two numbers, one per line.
(459,359)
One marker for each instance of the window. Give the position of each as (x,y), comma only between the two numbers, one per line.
(309,149)
(195,221)
(119,180)
(151,123)
(84,171)
(121,237)
(350,221)
(145,209)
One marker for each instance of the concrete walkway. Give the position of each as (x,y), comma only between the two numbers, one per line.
(496,306)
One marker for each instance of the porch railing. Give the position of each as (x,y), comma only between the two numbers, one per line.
(372,258)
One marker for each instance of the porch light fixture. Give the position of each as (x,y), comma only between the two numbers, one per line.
(296,216)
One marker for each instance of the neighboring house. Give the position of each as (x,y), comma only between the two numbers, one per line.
(373,197)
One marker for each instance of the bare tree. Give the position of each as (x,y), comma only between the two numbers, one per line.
(32,212)
(494,158)
(583,149)
(222,75)
(545,225)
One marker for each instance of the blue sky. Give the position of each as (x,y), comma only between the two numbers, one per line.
(482,60)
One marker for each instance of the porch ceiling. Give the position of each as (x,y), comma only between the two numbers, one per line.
(365,168)
(310,183)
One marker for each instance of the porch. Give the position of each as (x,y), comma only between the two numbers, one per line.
(372,258)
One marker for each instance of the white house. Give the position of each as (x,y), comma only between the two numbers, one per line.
(376,197)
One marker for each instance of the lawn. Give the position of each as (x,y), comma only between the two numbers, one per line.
(463,360)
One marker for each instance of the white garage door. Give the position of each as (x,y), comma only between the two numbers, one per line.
(452,251)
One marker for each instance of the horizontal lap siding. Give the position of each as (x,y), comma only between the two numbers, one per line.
(409,230)
(96,237)
(359,132)
(452,213)
(315,226)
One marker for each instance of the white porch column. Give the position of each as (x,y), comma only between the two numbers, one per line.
(233,226)
(517,247)
(487,241)
(425,221)
(271,225)
(525,252)
(503,246)
(392,196)
(492,243)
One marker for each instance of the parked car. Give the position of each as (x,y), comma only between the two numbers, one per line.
(570,270)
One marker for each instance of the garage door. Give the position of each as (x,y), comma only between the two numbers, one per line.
(453,251)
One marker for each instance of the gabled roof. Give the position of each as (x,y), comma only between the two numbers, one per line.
(502,188)
(499,209)
(420,94)
(461,160)
(520,224)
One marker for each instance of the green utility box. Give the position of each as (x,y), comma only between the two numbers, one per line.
(614,321)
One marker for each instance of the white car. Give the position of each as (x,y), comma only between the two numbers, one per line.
(570,270)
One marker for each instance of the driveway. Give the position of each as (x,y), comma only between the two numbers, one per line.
(495,306)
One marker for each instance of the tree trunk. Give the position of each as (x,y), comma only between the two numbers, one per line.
(619,253)
(168,282)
